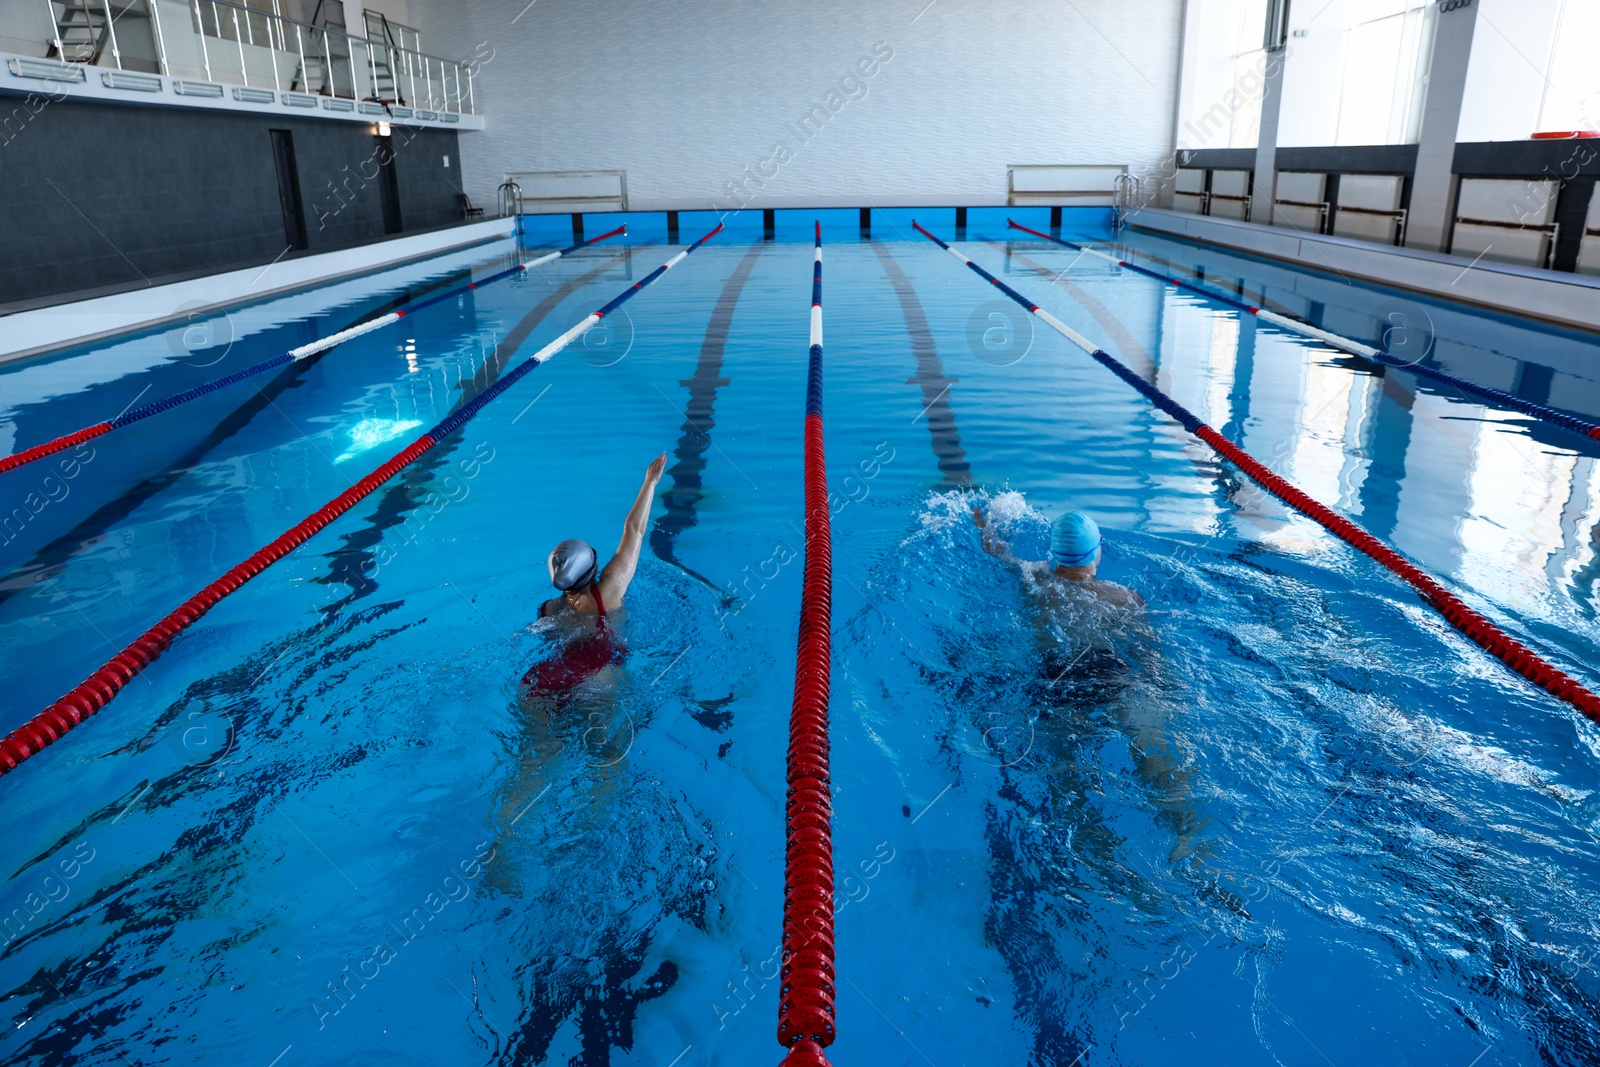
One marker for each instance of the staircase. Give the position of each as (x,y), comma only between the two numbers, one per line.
(380,33)
(324,72)
(311,76)
(82,33)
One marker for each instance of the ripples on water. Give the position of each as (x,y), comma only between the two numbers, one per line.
(1243,767)
(1285,814)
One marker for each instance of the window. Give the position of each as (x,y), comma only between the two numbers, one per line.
(1357,73)
(1533,68)
(1224,81)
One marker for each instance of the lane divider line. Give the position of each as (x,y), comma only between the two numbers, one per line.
(806,1015)
(155,407)
(1570,423)
(96,691)
(1469,621)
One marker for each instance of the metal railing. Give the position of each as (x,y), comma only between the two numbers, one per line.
(246,45)
(1127,195)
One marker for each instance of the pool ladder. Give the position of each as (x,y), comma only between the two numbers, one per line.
(1127,194)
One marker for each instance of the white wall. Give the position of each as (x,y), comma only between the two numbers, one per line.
(685,94)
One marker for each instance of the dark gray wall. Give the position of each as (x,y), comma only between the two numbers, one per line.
(95,196)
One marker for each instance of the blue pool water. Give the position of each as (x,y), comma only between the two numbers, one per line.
(1286,816)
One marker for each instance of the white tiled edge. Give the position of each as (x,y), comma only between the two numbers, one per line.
(1568,299)
(27,333)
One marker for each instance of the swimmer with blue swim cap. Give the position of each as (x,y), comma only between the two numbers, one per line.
(1075,545)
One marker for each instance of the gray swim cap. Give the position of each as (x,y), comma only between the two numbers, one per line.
(573,565)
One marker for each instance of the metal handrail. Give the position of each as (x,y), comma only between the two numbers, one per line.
(1127,191)
(440,89)
(329,30)
(1397,214)
(1322,206)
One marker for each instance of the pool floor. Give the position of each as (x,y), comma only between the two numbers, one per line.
(1284,815)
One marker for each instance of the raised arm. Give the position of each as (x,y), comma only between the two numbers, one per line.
(619,572)
(991,540)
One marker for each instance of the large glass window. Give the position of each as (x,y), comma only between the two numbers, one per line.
(1533,68)
(1221,105)
(1356,73)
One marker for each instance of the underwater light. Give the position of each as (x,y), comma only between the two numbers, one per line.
(370,433)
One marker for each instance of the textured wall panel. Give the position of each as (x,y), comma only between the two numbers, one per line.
(94,195)
(702,101)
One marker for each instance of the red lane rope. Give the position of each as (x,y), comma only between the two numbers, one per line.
(1543,412)
(50,448)
(1483,632)
(156,407)
(96,691)
(806,1016)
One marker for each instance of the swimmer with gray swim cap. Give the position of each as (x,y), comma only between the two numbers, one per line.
(1075,546)
(573,565)
(587,590)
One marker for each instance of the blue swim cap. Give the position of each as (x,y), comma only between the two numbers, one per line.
(1074,540)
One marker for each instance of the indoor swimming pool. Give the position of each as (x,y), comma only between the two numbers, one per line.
(325,827)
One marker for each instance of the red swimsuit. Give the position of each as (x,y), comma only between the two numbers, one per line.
(580,660)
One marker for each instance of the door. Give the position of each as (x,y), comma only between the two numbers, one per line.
(389,186)
(294,216)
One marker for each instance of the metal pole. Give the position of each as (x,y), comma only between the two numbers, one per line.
(205,53)
(161,42)
(372,67)
(274,43)
(55,27)
(244,71)
(411,76)
(327,65)
(458,86)
(472,98)
(300,47)
(216,22)
(111,25)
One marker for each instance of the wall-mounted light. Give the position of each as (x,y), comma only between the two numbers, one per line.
(381,129)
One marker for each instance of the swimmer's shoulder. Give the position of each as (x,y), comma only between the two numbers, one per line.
(585,605)
(1118,596)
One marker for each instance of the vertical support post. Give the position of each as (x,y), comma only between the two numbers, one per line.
(55,28)
(1431,212)
(372,68)
(300,48)
(205,52)
(161,40)
(866,222)
(238,38)
(472,99)
(111,28)
(672,227)
(1572,217)
(327,65)
(274,43)
(1264,179)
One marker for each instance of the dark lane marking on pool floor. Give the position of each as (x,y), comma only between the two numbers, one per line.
(52,557)
(942,432)
(349,564)
(688,488)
